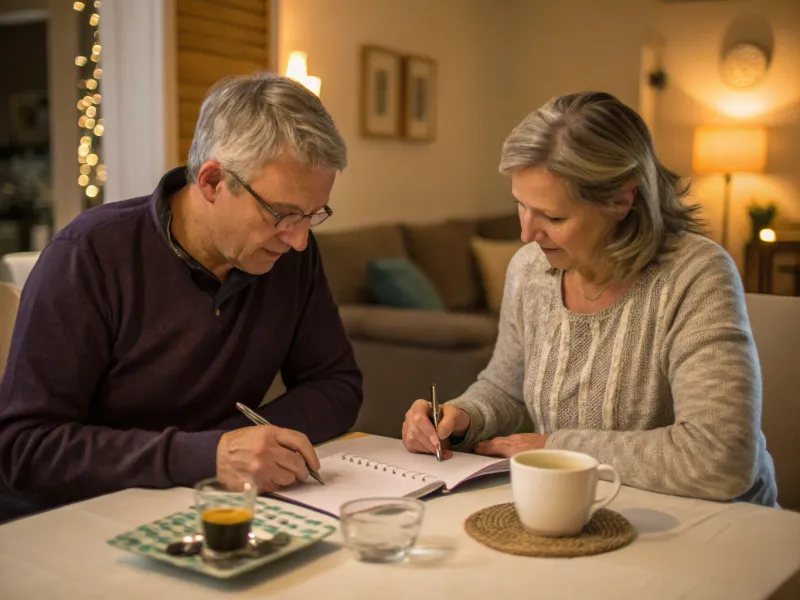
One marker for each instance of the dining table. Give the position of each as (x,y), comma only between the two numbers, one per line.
(684,548)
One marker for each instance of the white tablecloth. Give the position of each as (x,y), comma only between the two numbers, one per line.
(685,549)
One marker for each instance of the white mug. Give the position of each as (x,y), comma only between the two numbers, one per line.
(554,490)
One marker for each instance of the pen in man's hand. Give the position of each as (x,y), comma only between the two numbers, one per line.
(257,419)
(435,409)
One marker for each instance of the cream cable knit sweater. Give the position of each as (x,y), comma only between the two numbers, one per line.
(664,385)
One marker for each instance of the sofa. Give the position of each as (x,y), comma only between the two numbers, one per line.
(402,351)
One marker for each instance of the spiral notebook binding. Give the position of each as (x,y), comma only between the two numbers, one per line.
(384,467)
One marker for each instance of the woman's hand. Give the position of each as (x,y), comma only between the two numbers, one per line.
(511,445)
(419,434)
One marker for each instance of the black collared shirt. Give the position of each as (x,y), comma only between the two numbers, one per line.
(172,182)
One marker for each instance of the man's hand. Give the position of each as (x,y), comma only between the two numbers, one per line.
(511,445)
(266,453)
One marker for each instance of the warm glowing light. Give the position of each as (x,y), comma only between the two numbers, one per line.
(83,180)
(80,60)
(729,150)
(87,100)
(98,130)
(86,141)
(97,3)
(91,84)
(79,6)
(96,98)
(81,105)
(91,191)
(767,235)
(94,20)
(98,73)
(94,57)
(82,160)
(743,108)
(96,49)
(83,150)
(296,69)
(89,123)
(313,83)
(85,169)
(82,121)
(92,160)
(91,111)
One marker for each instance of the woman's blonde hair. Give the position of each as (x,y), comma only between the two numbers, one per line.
(597,145)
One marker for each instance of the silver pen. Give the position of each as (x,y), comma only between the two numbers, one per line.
(257,419)
(435,409)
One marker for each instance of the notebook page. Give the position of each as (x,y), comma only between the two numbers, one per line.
(347,480)
(451,472)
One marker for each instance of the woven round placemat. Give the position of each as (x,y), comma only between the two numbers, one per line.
(499,527)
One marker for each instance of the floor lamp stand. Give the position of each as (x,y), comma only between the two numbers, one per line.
(726,209)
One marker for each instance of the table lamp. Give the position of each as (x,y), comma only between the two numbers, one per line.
(729,150)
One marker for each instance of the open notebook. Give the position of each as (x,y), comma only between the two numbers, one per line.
(378,466)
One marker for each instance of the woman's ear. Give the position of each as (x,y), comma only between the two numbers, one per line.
(623,200)
(209,180)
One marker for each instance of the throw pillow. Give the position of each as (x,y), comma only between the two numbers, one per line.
(493,257)
(399,282)
(442,252)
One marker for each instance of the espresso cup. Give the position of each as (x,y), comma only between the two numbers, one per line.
(554,490)
(225,515)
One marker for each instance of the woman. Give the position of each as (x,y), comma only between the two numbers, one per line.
(623,332)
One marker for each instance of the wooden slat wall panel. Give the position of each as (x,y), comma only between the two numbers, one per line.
(200,68)
(219,13)
(220,47)
(207,28)
(254,6)
(215,39)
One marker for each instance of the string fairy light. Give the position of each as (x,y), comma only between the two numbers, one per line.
(92,170)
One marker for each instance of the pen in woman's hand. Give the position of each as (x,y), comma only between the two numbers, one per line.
(435,410)
(257,419)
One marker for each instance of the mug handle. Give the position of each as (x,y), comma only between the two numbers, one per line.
(615,485)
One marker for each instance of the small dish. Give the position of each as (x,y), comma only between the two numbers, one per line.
(272,517)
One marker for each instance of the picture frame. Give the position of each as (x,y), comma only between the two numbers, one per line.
(420,94)
(381,79)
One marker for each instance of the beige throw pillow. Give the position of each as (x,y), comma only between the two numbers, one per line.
(493,257)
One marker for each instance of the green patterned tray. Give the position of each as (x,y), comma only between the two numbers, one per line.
(272,517)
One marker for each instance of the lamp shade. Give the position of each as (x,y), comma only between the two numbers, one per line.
(729,150)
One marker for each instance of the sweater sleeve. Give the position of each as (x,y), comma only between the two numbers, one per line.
(61,346)
(495,401)
(710,361)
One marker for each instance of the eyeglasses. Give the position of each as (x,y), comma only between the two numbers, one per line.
(285,221)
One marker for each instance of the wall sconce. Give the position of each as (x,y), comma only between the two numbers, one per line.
(728,151)
(296,69)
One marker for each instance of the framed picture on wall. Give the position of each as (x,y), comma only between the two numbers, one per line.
(381,77)
(419,98)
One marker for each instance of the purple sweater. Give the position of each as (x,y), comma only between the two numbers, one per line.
(126,361)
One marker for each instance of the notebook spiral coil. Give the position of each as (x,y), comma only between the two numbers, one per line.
(382,467)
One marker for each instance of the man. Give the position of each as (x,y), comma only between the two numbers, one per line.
(145,321)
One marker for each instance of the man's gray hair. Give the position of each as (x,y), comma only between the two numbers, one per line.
(248,121)
(598,145)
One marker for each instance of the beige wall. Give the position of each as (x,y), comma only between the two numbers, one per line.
(693,36)
(580,44)
(391,180)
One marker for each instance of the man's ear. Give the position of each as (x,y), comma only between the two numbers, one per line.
(209,180)
(623,200)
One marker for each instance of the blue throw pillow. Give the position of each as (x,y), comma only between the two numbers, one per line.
(399,282)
